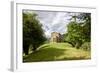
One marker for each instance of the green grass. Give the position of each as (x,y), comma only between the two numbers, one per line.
(57,52)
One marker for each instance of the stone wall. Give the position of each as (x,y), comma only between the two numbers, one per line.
(55,37)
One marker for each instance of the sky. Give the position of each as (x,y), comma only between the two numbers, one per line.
(53,21)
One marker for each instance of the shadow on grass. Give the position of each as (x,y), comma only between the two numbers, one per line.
(56,52)
(46,53)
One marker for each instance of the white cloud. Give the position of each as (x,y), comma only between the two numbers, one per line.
(53,21)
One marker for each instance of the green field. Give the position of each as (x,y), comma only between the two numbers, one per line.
(57,52)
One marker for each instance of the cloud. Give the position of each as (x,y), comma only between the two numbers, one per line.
(53,21)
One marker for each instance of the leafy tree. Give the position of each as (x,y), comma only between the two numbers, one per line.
(86,17)
(79,31)
(32,32)
(74,35)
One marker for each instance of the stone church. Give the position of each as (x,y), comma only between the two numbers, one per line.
(55,37)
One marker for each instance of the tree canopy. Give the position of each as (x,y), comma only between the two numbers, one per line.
(79,32)
(32,31)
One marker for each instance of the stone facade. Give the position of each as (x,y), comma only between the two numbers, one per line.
(55,37)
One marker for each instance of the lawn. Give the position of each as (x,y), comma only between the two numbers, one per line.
(57,52)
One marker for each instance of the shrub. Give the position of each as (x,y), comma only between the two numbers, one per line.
(86,46)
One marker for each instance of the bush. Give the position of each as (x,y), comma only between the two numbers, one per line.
(86,46)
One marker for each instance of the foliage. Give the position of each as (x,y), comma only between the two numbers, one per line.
(32,32)
(79,32)
(74,35)
(86,17)
(86,46)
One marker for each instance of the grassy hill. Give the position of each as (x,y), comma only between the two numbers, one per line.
(57,52)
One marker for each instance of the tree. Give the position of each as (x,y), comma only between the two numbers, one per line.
(74,35)
(79,31)
(32,32)
(86,17)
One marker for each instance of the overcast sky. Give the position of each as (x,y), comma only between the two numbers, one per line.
(53,21)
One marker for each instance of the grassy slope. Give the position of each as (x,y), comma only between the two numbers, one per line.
(57,51)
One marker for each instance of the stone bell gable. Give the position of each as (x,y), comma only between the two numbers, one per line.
(55,37)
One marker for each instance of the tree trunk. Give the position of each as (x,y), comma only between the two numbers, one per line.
(34,47)
(26,49)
